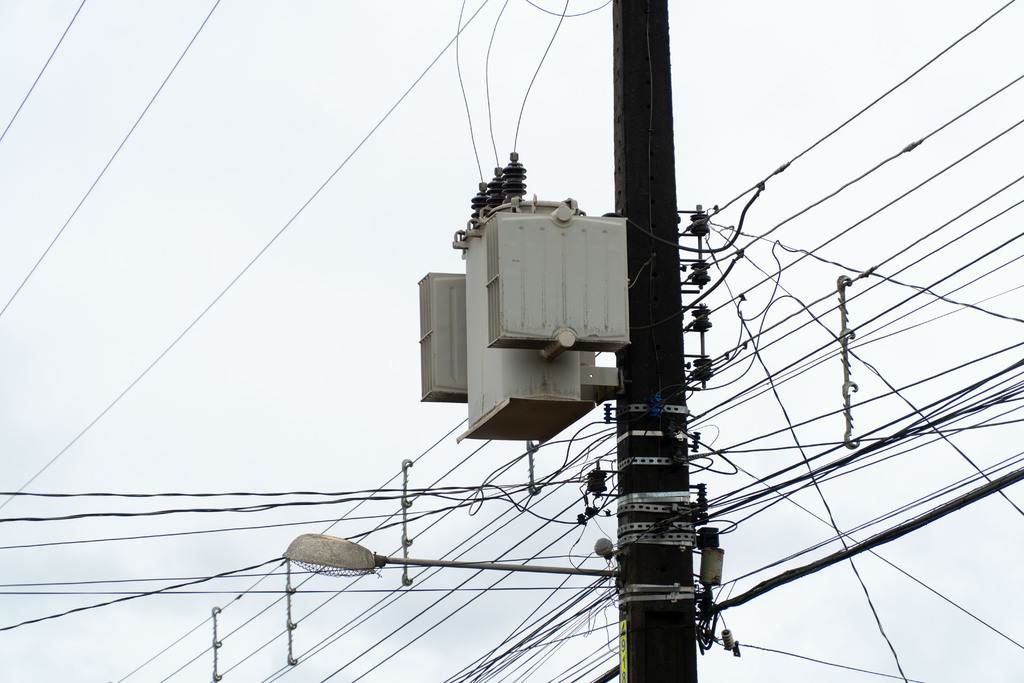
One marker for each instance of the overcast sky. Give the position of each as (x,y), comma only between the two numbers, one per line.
(234,226)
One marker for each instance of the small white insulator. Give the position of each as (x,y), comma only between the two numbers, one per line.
(728,641)
(604,548)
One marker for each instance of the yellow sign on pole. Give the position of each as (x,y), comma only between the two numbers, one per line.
(622,651)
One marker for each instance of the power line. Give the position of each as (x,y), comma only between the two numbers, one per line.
(139,595)
(875,541)
(36,81)
(255,258)
(821,661)
(878,99)
(103,171)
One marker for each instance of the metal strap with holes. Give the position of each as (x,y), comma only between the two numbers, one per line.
(667,508)
(644,408)
(657,497)
(647,592)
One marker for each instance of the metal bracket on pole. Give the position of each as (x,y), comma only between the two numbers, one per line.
(646,408)
(216,645)
(531,448)
(646,592)
(406,504)
(845,335)
(657,533)
(289,590)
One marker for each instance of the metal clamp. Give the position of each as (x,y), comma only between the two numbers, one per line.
(676,533)
(651,507)
(648,592)
(631,462)
(658,497)
(645,408)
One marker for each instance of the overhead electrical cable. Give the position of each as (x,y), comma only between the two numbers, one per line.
(222,607)
(40,75)
(880,97)
(892,534)
(109,161)
(166,589)
(255,258)
(561,18)
(821,661)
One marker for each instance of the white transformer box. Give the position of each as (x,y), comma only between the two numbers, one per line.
(545,287)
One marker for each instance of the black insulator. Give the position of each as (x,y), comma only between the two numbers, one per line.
(479,201)
(701,321)
(494,190)
(699,225)
(514,177)
(701,371)
(699,273)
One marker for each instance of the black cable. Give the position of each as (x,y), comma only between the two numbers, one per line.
(252,262)
(139,595)
(879,539)
(881,97)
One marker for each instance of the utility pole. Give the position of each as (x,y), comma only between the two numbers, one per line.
(656,594)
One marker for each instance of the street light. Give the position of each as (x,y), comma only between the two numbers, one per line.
(338,557)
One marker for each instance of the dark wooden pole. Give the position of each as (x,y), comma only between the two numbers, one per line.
(656,580)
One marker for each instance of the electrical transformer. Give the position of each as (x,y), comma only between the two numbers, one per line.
(545,288)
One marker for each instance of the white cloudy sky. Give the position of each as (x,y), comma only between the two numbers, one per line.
(128,363)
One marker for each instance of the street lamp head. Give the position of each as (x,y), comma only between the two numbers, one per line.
(331,556)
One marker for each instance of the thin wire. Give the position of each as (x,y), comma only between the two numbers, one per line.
(247,622)
(41,72)
(254,259)
(465,99)
(138,595)
(487,83)
(880,97)
(561,18)
(820,661)
(568,16)
(107,165)
(831,518)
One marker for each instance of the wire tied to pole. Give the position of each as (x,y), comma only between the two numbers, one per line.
(406,504)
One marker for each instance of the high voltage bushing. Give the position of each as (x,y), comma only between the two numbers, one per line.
(514,175)
(479,201)
(494,189)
